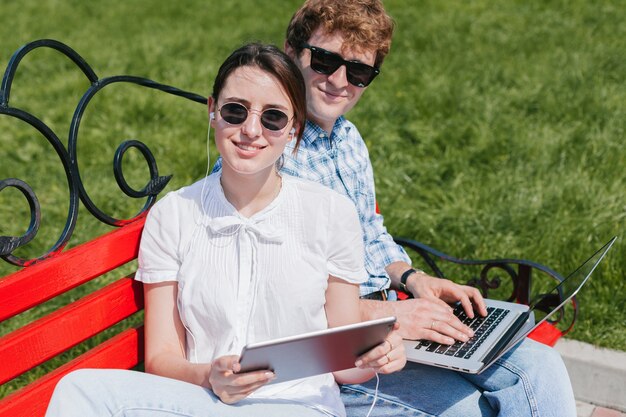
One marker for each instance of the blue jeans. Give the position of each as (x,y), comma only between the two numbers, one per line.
(530,380)
(119,393)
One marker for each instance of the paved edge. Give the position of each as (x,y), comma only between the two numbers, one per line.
(598,375)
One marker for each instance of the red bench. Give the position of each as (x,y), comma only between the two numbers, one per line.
(43,339)
(58,271)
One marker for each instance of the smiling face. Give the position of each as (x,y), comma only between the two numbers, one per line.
(329,96)
(249,148)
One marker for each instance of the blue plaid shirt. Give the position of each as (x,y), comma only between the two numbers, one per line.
(342,163)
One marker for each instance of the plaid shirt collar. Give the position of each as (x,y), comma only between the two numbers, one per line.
(315,136)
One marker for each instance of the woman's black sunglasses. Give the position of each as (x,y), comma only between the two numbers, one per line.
(236,113)
(326,62)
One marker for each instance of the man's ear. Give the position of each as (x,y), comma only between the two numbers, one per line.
(289,50)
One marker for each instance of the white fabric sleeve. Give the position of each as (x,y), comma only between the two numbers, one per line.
(346,255)
(159,258)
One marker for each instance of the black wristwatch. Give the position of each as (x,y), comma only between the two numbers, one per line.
(404,277)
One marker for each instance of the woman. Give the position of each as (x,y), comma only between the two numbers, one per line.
(244,255)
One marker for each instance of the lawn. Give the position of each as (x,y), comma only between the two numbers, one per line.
(495,130)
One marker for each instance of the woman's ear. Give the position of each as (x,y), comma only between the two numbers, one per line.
(211,108)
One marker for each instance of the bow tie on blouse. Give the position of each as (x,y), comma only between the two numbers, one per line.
(266,231)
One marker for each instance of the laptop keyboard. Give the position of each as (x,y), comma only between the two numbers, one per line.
(482,327)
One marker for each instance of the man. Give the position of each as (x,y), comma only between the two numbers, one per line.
(339,47)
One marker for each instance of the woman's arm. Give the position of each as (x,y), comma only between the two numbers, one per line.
(342,307)
(165,350)
(165,337)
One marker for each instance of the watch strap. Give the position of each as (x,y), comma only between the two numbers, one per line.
(404,277)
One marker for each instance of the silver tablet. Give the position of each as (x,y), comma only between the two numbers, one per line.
(317,352)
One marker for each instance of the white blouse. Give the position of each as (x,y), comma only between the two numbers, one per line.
(243,280)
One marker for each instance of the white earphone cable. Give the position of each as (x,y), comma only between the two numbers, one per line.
(208,166)
(375,396)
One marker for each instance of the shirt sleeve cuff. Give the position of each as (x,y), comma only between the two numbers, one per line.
(153,277)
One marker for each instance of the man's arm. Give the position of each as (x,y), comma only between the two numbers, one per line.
(422,285)
(428,315)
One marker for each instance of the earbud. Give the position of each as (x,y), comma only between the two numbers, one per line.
(211,116)
(292,131)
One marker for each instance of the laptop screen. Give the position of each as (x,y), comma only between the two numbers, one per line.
(569,287)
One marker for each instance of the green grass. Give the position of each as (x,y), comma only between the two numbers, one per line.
(495,130)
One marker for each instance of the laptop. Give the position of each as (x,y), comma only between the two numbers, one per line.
(505,325)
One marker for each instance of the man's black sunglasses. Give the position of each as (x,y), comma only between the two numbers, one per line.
(326,62)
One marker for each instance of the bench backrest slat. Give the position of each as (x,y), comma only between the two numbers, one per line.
(50,335)
(66,327)
(40,282)
(123,351)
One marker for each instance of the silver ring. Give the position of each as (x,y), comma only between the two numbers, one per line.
(432,325)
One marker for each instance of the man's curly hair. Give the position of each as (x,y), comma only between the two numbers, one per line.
(364,24)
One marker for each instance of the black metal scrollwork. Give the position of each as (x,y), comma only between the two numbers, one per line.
(485,284)
(9,243)
(518,270)
(69,157)
(156,183)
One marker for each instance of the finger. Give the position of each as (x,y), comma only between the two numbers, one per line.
(477,300)
(435,336)
(455,323)
(388,344)
(232,394)
(391,367)
(395,338)
(454,329)
(472,301)
(434,319)
(374,355)
(440,305)
(225,363)
(397,353)
(466,303)
(397,361)
(375,363)
(251,378)
(391,342)
(250,388)
(381,354)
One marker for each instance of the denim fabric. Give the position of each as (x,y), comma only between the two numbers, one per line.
(119,393)
(530,380)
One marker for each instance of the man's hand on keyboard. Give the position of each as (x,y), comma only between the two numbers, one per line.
(423,285)
(429,318)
